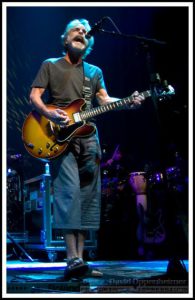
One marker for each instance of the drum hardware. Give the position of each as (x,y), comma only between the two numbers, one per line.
(155,179)
(172,174)
(169,178)
(113,184)
(174,179)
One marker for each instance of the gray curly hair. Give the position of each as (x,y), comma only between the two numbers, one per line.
(73,24)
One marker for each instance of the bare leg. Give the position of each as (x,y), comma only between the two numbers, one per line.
(71,243)
(75,240)
(80,243)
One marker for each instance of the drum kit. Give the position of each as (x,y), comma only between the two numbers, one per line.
(150,227)
(151,218)
(141,181)
(168,179)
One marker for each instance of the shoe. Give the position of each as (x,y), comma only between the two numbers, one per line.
(94,273)
(75,268)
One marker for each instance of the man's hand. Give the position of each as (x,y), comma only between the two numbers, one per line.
(103,99)
(59,117)
(137,99)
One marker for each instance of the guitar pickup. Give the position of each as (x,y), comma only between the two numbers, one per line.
(77,117)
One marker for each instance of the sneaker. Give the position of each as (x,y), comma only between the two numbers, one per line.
(75,268)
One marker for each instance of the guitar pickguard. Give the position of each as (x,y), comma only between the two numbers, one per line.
(63,134)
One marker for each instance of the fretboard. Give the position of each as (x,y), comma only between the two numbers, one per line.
(111,106)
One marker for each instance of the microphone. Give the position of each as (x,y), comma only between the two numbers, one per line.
(94,29)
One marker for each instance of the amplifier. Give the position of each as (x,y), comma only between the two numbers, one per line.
(38,219)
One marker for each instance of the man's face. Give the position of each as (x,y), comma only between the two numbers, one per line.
(76,38)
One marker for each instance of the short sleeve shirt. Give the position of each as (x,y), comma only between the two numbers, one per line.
(64,81)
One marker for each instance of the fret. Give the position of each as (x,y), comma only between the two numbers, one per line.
(110,106)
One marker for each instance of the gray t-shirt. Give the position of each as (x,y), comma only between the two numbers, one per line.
(64,81)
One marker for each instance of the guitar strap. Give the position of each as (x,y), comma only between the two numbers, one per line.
(87,86)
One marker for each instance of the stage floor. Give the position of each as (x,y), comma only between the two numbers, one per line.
(135,277)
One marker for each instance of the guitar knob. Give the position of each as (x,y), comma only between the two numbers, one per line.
(48,155)
(30,145)
(40,150)
(47,145)
(56,149)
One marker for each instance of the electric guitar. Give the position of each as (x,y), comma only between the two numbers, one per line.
(46,140)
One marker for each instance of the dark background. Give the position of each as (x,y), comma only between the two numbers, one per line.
(151,134)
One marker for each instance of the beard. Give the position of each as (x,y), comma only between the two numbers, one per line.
(77,46)
(76,51)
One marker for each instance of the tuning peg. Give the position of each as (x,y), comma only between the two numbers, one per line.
(168,89)
(171,90)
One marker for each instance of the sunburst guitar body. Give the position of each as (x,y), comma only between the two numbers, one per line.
(46,140)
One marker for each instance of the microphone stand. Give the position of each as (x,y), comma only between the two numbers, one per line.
(137,37)
(146,44)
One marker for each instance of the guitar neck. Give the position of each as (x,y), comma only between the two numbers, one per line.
(87,114)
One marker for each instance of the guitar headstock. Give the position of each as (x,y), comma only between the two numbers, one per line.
(165,93)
